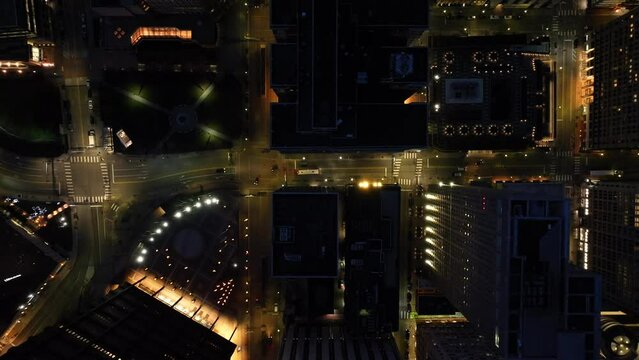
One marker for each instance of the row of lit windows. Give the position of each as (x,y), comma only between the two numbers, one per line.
(159,33)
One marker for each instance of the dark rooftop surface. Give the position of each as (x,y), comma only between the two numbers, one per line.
(387,126)
(372,276)
(305,233)
(8,14)
(327,341)
(486,92)
(341,76)
(115,31)
(19,257)
(131,325)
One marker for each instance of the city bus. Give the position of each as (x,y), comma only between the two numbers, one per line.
(308,171)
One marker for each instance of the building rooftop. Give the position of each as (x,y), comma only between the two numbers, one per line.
(128,324)
(305,233)
(9,15)
(372,277)
(452,341)
(339,81)
(326,341)
(489,92)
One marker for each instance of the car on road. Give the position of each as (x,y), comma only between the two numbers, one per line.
(91,138)
(407,334)
(494,17)
(457,174)
(124,138)
(257,181)
(220,170)
(508,17)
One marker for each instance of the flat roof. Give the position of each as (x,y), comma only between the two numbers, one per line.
(488,94)
(341,68)
(8,14)
(128,324)
(331,341)
(366,127)
(284,72)
(305,233)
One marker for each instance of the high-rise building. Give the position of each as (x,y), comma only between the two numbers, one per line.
(614,117)
(489,92)
(609,240)
(372,274)
(328,92)
(26,33)
(500,255)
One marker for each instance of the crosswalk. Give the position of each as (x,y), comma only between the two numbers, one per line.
(555,23)
(68,179)
(106,181)
(571,12)
(418,166)
(577,165)
(410,154)
(562,177)
(397,164)
(89,199)
(553,168)
(565,32)
(85,159)
(405,182)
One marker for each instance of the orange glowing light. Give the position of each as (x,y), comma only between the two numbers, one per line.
(159,33)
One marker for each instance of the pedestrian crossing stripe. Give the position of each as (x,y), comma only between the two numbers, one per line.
(85,159)
(88,199)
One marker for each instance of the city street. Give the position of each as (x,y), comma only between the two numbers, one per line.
(92,181)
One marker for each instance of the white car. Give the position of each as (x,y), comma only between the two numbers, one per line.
(90,104)
(124,138)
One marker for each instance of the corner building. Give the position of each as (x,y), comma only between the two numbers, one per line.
(500,255)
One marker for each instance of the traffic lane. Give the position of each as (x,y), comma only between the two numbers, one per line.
(27,176)
(168,187)
(529,23)
(74,43)
(158,166)
(150,176)
(78,99)
(29,189)
(258,210)
(24,164)
(613,160)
